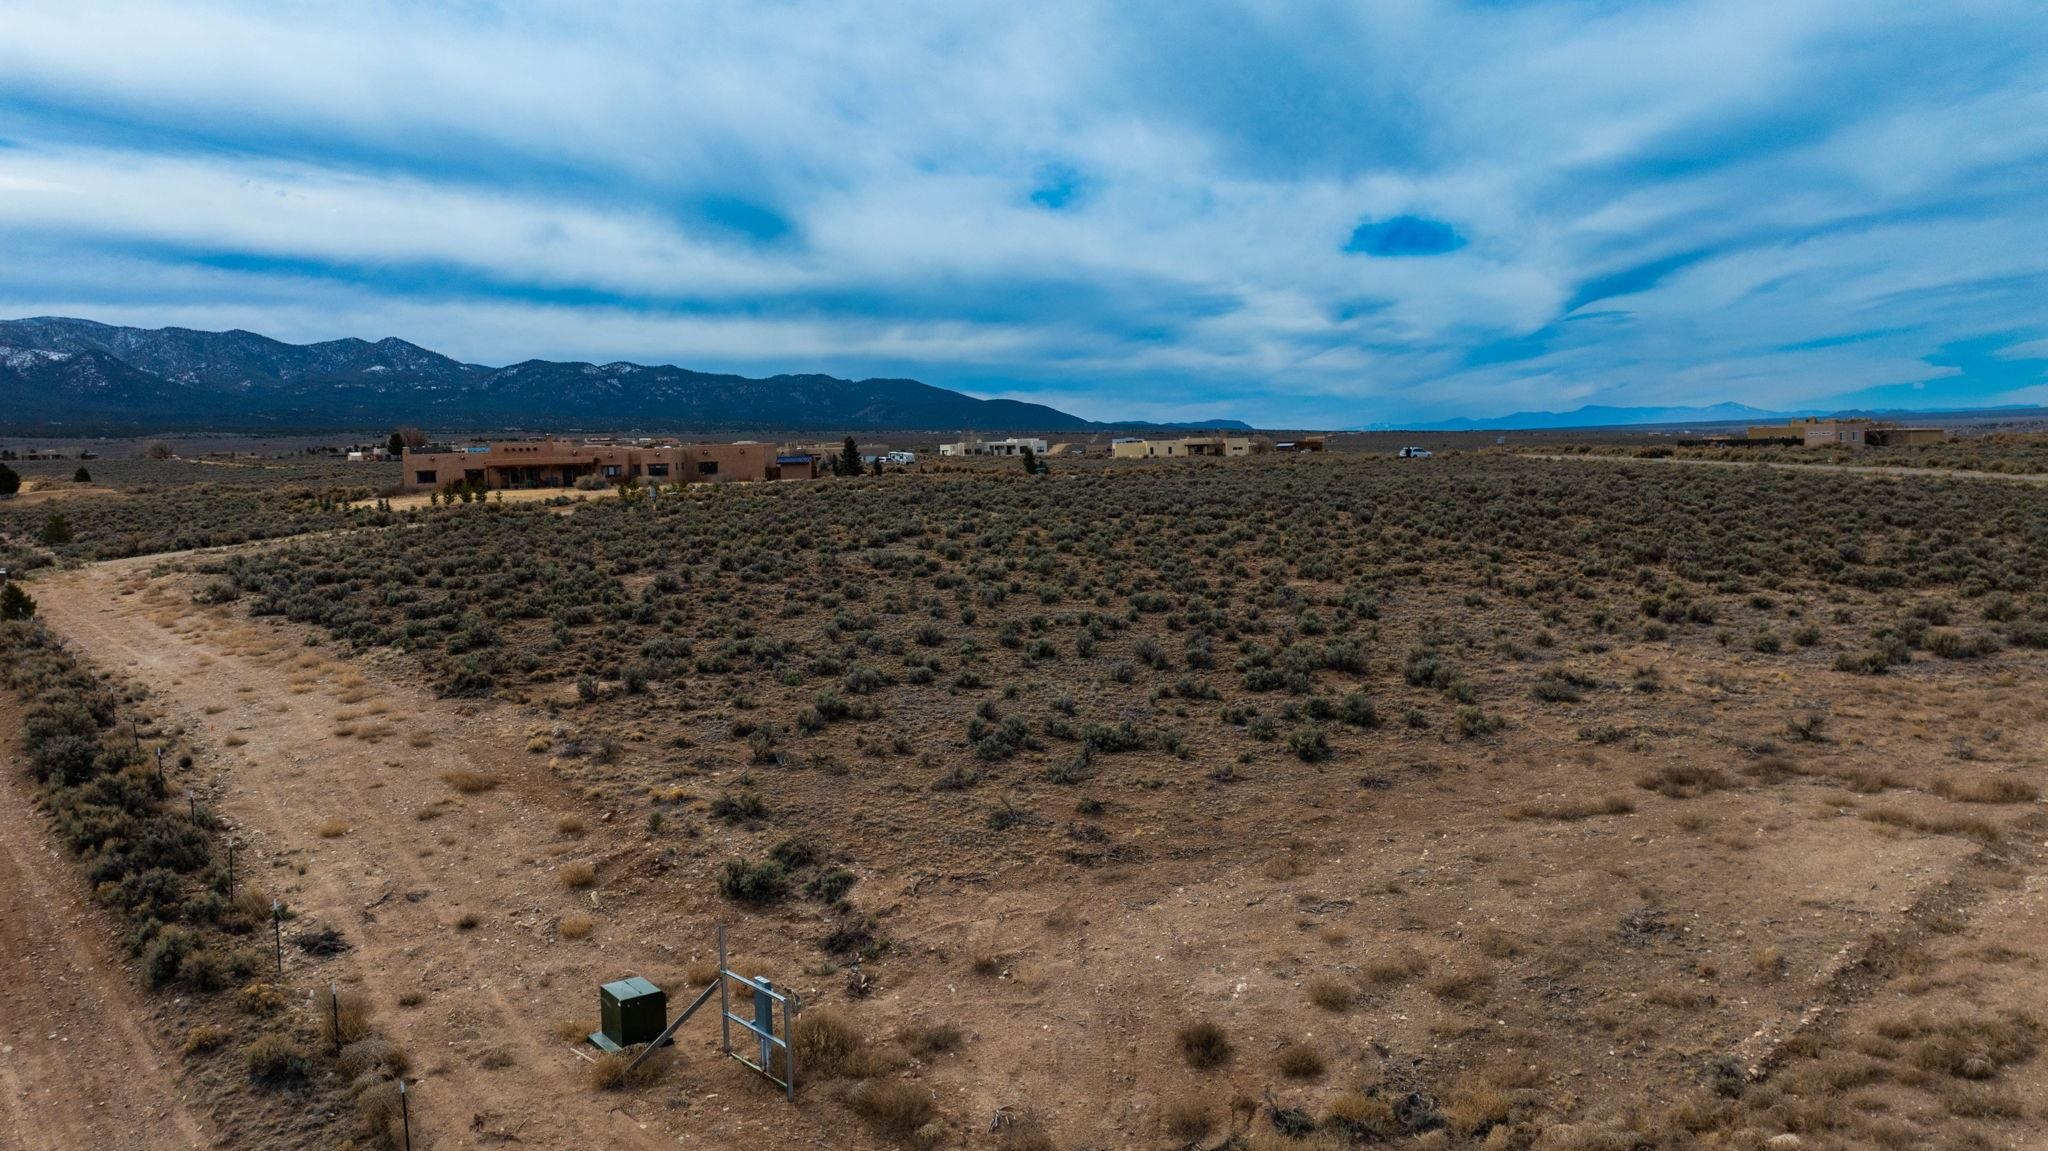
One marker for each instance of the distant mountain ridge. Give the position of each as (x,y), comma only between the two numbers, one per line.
(79,376)
(1602,416)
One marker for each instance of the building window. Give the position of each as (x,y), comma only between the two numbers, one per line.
(612,471)
(423,477)
(657,469)
(707,467)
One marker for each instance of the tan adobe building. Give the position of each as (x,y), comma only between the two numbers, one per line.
(1854,433)
(1137,449)
(553,463)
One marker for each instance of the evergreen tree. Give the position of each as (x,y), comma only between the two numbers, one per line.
(10,480)
(15,603)
(849,460)
(397,444)
(1030,459)
(878,465)
(56,530)
(81,476)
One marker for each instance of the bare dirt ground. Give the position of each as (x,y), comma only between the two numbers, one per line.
(396,882)
(1601,957)
(81,1062)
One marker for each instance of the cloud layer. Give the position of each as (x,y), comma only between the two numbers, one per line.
(1301,214)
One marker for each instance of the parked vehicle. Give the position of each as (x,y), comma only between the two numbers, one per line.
(1414,453)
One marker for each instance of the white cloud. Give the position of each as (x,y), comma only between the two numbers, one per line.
(467,172)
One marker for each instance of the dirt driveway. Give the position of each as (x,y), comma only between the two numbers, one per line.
(79,1064)
(334,788)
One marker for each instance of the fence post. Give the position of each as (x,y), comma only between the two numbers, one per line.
(277,931)
(764,1018)
(724,1006)
(405,1113)
(790,1010)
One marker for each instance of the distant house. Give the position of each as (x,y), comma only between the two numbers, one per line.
(554,463)
(1143,449)
(1851,433)
(1014,446)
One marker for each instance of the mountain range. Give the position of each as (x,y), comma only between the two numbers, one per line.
(81,377)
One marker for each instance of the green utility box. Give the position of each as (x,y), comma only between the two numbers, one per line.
(633,1011)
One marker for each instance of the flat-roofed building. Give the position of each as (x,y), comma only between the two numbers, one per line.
(1186,446)
(555,463)
(1015,446)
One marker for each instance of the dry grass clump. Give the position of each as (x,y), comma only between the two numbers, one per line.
(1397,968)
(1360,1117)
(572,825)
(828,1045)
(1570,810)
(467,921)
(275,1059)
(469,782)
(202,1038)
(332,828)
(343,1018)
(1467,985)
(1187,1119)
(233,741)
(897,1109)
(378,1113)
(1300,1061)
(1204,1044)
(1767,963)
(578,874)
(1476,1106)
(928,1039)
(608,1072)
(420,739)
(1981,830)
(1684,780)
(1331,994)
(1025,1132)
(374,1055)
(1991,789)
(575,926)
(1973,1047)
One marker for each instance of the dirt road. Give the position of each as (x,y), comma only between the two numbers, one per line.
(79,1065)
(1851,469)
(399,867)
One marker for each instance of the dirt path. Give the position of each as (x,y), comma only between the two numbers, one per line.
(1850,469)
(78,1067)
(306,740)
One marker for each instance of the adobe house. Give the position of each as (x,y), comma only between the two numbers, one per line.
(1852,433)
(554,463)
(1139,449)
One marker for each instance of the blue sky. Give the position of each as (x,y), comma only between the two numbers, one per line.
(1295,213)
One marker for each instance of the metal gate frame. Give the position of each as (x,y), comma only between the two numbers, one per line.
(762,1024)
